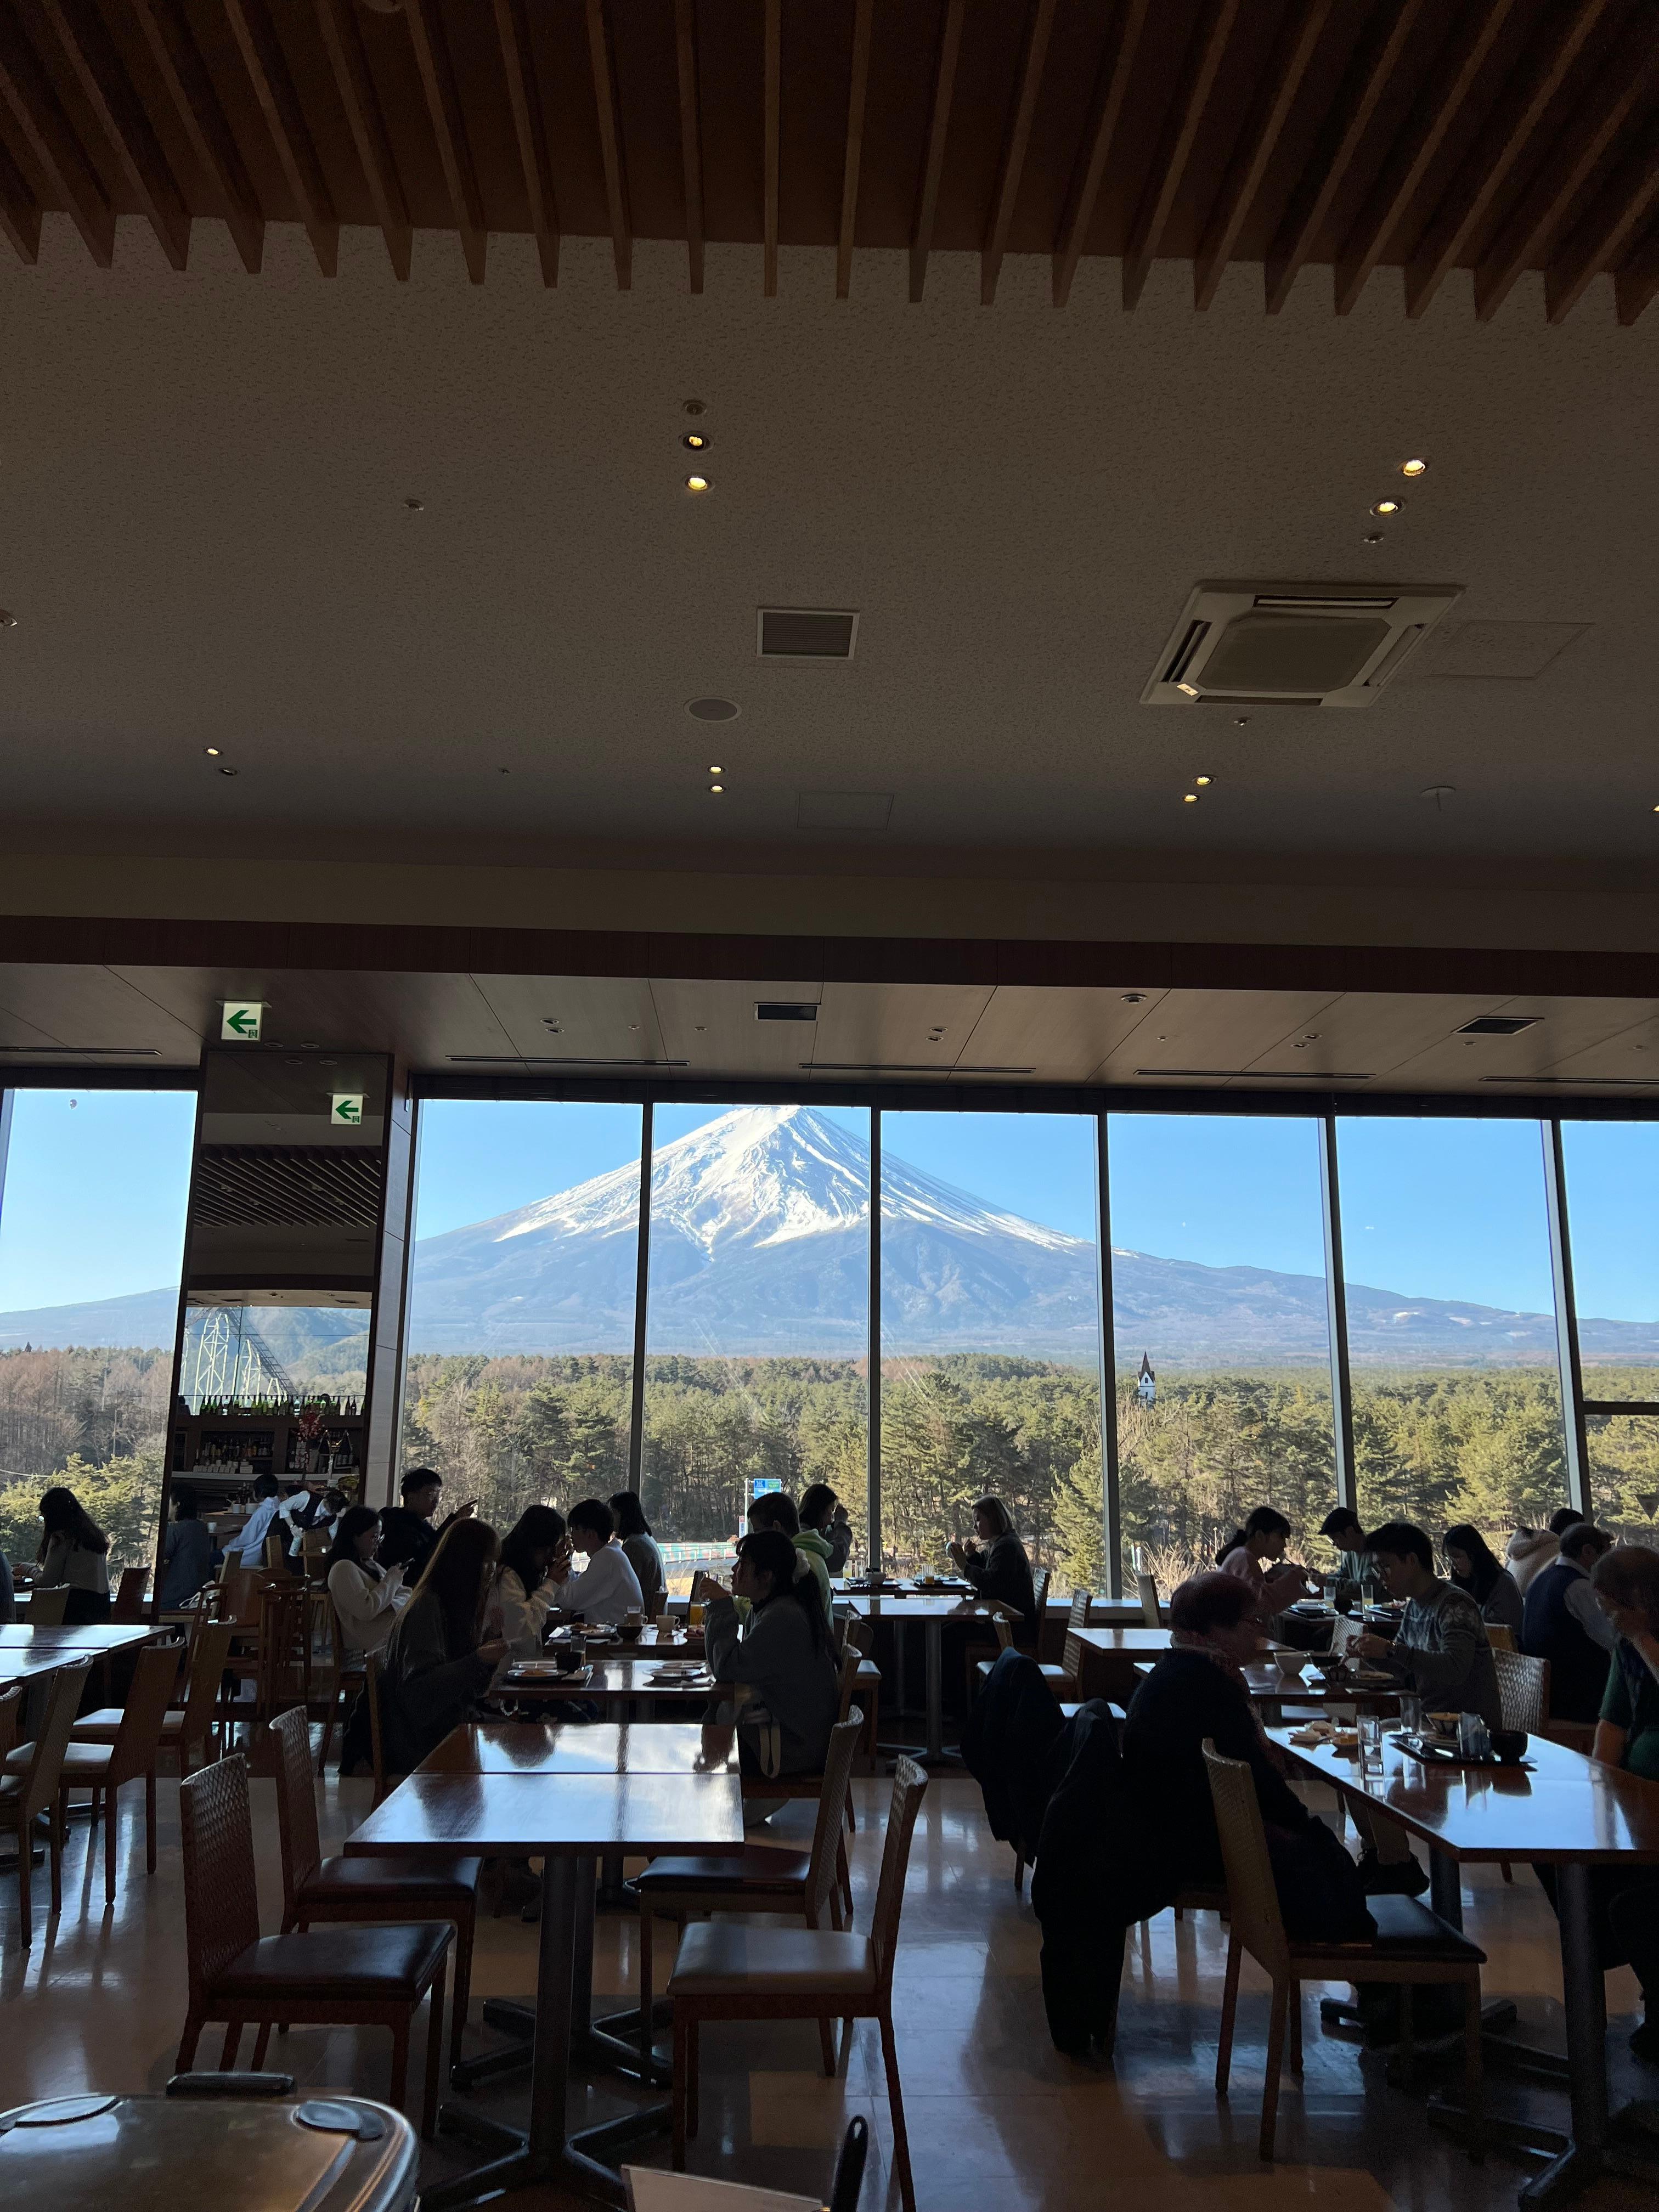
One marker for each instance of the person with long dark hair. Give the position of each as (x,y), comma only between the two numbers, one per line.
(1281,1582)
(643,1553)
(1474,1567)
(74,1550)
(438,1660)
(781,1651)
(526,1590)
(823,1512)
(367,1596)
(998,1566)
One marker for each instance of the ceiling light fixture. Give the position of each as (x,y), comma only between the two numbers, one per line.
(696,440)
(1388,506)
(1191,690)
(1189,798)
(1372,538)
(228,771)
(212,751)
(696,483)
(7,621)
(1416,467)
(694,407)
(1134,998)
(715,789)
(415,505)
(1203,781)
(713,710)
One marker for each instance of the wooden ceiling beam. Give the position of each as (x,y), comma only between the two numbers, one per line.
(279,103)
(1275,96)
(1111,84)
(20,211)
(685,56)
(343,35)
(1016,144)
(611,141)
(1198,74)
(179,60)
(1485,168)
(1619,215)
(443,102)
(102,77)
(1636,285)
(1373,63)
(519,57)
(51,140)
(772,98)
(858,86)
(1418,140)
(933,162)
(1623,88)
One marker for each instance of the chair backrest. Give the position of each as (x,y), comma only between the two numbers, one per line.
(832,1811)
(376,1737)
(1257,1921)
(155,1673)
(296,1803)
(63,1703)
(1079,1615)
(1147,1585)
(1004,1629)
(130,1594)
(909,1786)
(222,1898)
(1041,1593)
(207,1665)
(850,1659)
(656,1603)
(858,1636)
(46,1606)
(275,1550)
(238,1594)
(11,1707)
(1076,1653)
(1523,1691)
(1500,1637)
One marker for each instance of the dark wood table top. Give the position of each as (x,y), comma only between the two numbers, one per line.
(108,1636)
(555,1746)
(1265,1681)
(1567,1806)
(519,1815)
(609,1678)
(660,1642)
(946,1586)
(924,1605)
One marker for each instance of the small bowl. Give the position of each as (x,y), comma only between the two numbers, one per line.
(1510,1745)
(630,1631)
(1291,1664)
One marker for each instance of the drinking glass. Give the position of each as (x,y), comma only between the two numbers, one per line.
(1411,1715)
(1371,1743)
(694,1616)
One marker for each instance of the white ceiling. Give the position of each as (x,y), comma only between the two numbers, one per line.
(203,539)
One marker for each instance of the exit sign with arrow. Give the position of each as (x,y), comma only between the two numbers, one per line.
(240,1020)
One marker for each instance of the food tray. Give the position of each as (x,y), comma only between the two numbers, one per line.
(1433,1753)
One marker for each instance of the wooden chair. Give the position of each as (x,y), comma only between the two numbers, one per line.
(1412,1945)
(1066,1681)
(657,1604)
(11,1712)
(1151,1612)
(103,1767)
(1041,1593)
(764,1880)
(862,1637)
(129,1604)
(25,1796)
(811,1786)
(46,1607)
(1523,1696)
(372,1890)
(275,1553)
(726,1972)
(342,1977)
(186,1730)
(348,1677)
(376,1727)
(1500,1637)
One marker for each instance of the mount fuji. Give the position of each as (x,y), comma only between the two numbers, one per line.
(759,1246)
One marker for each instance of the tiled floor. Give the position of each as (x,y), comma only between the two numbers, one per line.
(998,2119)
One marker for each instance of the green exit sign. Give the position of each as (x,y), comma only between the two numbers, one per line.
(346,1110)
(240,1020)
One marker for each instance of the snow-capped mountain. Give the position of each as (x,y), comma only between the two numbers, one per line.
(759,1245)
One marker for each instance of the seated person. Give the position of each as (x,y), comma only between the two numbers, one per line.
(1563,1623)
(410,1532)
(775,1508)
(781,1651)
(1530,1549)
(644,1552)
(1473,1566)
(1355,1566)
(607,1587)
(187,1553)
(1281,1582)
(366,1596)
(1002,1571)
(1195,1691)
(526,1590)
(438,1662)
(823,1515)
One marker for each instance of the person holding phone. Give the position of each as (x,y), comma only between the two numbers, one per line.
(536,1550)
(410,1533)
(366,1596)
(440,1661)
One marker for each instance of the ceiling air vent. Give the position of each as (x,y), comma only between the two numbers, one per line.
(1293,645)
(1499,1025)
(806,632)
(785,1010)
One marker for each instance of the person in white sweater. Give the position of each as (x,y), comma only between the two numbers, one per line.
(526,1591)
(607,1587)
(367,1596)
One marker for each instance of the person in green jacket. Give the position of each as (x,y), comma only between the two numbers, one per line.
(775,1508)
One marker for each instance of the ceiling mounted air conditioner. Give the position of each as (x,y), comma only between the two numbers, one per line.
(1293,645)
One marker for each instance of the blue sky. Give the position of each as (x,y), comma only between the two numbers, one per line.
(94,1194)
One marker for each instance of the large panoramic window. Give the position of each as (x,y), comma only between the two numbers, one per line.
(1452,1328)
(92,1232)
(1613,1213)
(521,1301)
(758,1318)
(1222,1346)
(990,1334)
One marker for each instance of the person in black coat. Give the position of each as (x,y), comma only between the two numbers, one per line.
(1000,1569)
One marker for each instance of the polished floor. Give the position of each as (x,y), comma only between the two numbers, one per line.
(997,2119)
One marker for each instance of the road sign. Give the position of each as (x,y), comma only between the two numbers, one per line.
(240,1020)
(762,1482)
(346,1111)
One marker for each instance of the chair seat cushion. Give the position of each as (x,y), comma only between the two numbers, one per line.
(1405,1929)
(718,1958)
(103,1726)
(759,1868)
(388,1880)
(1056,1678)
(375,1965)
(83,1763)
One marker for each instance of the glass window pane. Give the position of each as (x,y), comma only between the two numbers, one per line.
(1624,1474)
(1451,1325)
(1613,1213)
(92,1235)
(758,1318)
(521,1301)
(990,1317)
(1222,1346)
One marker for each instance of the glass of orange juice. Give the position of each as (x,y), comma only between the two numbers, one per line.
(694,1616)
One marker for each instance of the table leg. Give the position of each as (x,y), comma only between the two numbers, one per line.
(899,1642)
(1584,1997)
(1446,1887)
(933,1631)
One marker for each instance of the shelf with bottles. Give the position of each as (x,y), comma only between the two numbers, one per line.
(332,1410)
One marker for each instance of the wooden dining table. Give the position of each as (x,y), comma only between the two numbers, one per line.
(1562,1810)
(568,1747)
(1270,1686)
(568,1821)
(611,1682)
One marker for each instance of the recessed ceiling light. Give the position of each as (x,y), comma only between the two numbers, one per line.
(1134,998)
(715,789)
(696,440)
(713,710)
(1189,798)
(1203,781)
(212,751)
(1388,506)
(696,483)
(415,505)
(1414,467)
(694,407)
(1372,538)
(7,621)
(228,771)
